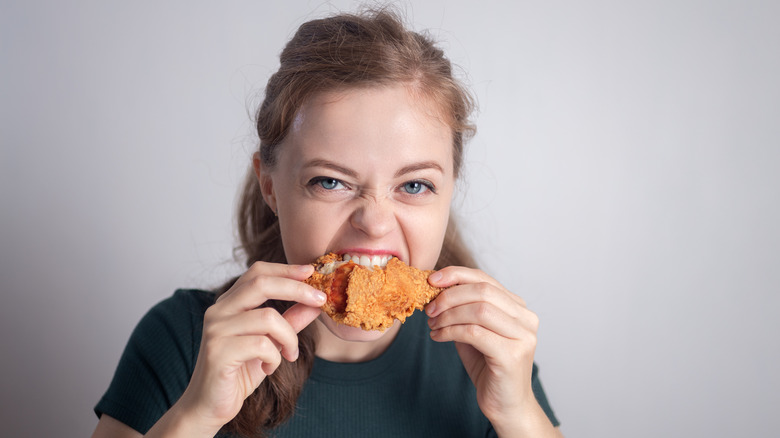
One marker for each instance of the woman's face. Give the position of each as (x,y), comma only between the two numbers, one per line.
(364,172)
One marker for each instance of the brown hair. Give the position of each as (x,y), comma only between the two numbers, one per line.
(341,52)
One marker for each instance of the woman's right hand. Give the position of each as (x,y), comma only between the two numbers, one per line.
(243,343)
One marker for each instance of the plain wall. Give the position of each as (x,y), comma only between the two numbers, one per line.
(624,181)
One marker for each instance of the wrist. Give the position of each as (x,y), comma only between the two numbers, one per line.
(182,421)
(529,421)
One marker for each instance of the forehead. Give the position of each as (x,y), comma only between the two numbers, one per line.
(365,124)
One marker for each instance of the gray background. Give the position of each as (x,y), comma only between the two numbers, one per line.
(624,181)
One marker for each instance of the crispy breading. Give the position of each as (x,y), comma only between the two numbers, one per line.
(371,299)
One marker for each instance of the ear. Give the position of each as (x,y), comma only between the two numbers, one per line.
(265,181)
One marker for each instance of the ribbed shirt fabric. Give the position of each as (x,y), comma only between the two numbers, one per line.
(417,387)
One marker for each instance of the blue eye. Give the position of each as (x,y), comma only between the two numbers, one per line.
(416,187)
(329,183)
(326,183)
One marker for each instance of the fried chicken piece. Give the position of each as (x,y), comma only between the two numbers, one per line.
(371,298)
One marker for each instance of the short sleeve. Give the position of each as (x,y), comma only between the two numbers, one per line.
(157,362)
(541,398)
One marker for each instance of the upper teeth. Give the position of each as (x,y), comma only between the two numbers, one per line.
(368,261)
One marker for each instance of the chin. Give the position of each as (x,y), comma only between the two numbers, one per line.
(353,334)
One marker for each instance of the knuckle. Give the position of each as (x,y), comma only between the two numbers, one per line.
(257,266)
(473,331)
(269,367)
(267,315)
(483,311)
(517,355)
(264,343)
(210,314)
(534,320)
(444,332)
(530,320)
(265,348)
(484,290)
(303,288)
(531,341)
(447,333)
(443,298)
(211,325)
(209,332)
(259,282)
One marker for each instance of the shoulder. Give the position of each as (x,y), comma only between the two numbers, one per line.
(184,309)
(176,320)
(178,317)
(169,333)
(158,360)
(189,301)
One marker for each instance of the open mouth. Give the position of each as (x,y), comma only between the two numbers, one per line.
(370,292)
(369,262)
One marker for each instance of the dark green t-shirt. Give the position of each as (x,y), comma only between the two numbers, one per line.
(417,387)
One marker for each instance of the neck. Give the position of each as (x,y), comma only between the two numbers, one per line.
(336,349)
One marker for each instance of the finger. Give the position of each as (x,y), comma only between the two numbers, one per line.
(452,275)
(238,350)
(300,315)
(259,289)
(497,349)
(489,316)
(481,292)
(458,275)
(258,322)
(293,272)
(490,344)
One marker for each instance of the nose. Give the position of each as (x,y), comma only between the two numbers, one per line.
(374,217)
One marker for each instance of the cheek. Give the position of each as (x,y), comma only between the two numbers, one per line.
(424,233)
(305,235)
(308,227)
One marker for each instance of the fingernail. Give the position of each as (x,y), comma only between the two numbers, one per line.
(320,296)
(432,323)
(296,354)
(303,268)
(430,308)
(436,276)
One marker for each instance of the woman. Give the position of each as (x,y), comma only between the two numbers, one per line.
(361,142)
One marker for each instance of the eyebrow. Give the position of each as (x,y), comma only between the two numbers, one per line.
(330,165)
(419,166)
(318,162)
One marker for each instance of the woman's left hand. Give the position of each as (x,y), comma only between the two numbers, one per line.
(495,335)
